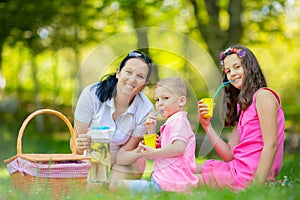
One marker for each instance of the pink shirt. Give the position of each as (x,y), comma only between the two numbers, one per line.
(176,173)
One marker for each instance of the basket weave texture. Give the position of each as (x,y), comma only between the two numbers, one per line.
(59,173)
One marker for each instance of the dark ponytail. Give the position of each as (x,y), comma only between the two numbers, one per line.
(106,87)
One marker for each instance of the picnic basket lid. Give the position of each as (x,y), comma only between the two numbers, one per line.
(46,157)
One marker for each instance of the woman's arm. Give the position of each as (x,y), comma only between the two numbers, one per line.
(83,112)
(267,106)
(129,152)
(80,128)
(81,138)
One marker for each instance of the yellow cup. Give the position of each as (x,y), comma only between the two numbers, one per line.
(150,140)
(210,104)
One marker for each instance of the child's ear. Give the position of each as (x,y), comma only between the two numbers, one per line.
(182,101)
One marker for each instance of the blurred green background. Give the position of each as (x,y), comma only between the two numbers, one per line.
(44,44)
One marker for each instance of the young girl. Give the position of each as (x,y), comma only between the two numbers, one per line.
(174,162)
(255,148)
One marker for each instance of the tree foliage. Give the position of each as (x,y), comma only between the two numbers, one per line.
(43,44)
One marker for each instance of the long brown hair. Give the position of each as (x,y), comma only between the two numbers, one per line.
(253,80)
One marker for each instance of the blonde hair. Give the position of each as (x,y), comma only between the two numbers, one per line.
(174,84)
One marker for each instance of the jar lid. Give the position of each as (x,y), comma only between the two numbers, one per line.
(99,132)
(100,127)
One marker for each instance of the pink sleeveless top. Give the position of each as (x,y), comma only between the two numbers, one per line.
(239,172)
(247,153)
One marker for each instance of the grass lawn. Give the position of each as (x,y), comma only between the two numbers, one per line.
(291,190)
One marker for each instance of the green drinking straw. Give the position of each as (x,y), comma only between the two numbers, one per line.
(221,86)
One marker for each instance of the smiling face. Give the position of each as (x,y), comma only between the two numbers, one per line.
(132,77)
(234,70)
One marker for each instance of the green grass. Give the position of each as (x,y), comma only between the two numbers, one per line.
(291,169)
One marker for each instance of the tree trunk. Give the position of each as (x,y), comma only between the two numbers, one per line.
(212,33)
(39,119)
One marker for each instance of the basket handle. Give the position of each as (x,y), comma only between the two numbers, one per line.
(42,111)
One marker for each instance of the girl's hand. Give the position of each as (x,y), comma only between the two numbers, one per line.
(83,142)
(203,109)
(158,142)
(147,151)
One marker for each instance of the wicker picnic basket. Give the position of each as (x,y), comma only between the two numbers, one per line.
(59,174)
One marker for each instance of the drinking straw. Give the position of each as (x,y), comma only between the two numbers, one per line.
(152,125)
(157,113)
(221,86)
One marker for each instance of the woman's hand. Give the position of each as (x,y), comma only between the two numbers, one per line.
(203,109)
(83,142)
(80,130)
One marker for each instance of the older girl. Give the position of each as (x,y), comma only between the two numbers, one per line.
(255,148)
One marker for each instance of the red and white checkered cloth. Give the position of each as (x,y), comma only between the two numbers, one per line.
(67,169)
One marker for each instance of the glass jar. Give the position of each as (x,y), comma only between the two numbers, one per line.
(100,154)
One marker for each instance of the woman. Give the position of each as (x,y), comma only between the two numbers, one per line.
(117,101)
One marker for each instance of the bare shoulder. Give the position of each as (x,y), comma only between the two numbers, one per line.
(266,98)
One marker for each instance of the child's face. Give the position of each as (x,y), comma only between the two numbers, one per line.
(234,70)
(166,101)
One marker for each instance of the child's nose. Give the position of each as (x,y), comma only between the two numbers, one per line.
(232,72)
(160,103)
